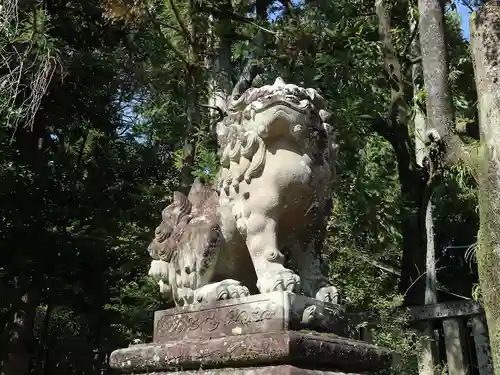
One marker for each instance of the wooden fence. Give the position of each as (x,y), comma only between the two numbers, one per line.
(460,336)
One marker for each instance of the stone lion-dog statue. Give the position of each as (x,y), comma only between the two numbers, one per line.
(267,212)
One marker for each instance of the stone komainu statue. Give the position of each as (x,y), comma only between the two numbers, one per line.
(267,212)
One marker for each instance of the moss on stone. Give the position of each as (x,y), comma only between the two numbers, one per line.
(317,333)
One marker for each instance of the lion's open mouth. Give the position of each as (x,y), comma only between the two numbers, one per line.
(289,101)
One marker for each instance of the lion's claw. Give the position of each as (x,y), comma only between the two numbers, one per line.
(229,289)
(223,290)
(328,294)
(284,280)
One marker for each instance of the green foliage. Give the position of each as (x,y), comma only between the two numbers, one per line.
(30,57)
(77,211)
(392,332)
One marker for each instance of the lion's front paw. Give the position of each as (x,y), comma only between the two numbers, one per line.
(229,289)
(226,289)
(159,270)
(278,280)
(328,294)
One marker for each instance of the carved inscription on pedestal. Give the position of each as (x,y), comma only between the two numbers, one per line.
(246,317)
(221,321)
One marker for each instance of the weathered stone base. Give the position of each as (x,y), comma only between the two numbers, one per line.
(330,354)
(256,335)
(267,370)
(261,313)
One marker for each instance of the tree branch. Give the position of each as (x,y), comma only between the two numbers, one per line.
(416,60)
(251,70)
(288,6)
(235,17)
(382,127)
(467,5)
(213,125)
(181,23)
(413,35)
(398,108)
(157,28)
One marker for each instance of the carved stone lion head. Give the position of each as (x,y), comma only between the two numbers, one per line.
(278,110)
(202,201)
(174,217)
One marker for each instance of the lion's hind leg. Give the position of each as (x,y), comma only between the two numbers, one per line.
(306,259)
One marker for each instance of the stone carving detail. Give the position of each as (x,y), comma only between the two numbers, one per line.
(319,318)
(176,325)
(244,317)
(267,210)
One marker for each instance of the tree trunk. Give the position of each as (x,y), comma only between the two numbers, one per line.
(427,360)
(20,345)
(20,340)
(218,65)
(193,90)
(435,68)
(417,79)
(219,61)
(439,103)
(440,115)
(193,117)
(485,37)
(44,340)
(422,154)
(428,355)
(413,262)
(411,177)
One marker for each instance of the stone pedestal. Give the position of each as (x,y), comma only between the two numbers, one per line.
(275,333)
